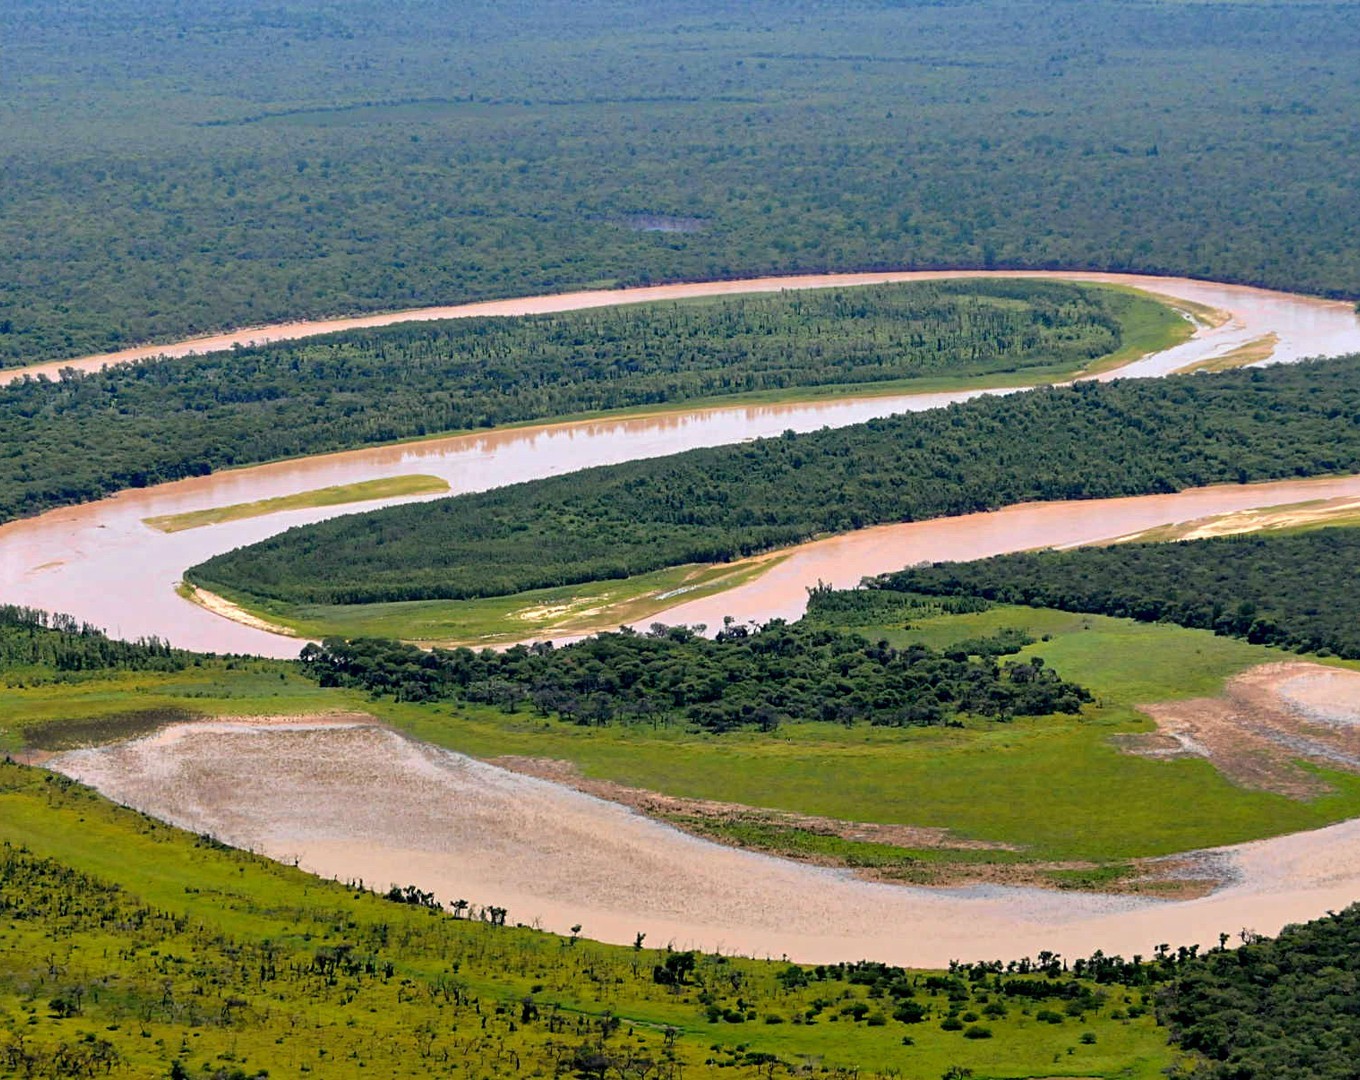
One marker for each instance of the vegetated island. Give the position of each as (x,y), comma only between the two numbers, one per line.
(88,435)
(705,506)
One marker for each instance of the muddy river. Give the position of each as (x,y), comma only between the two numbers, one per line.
(358,801)
(362,802)
(101,563)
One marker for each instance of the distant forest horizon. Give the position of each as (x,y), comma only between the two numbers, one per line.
(172,169)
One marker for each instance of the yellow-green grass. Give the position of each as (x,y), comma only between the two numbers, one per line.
(569,609)
(389,487)
(41,710)
(221,973)
(1151,323)
(1055,787)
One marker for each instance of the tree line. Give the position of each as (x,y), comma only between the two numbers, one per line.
(742,678)
(1293,591)
(88,435)
(31,638)
(1085,441)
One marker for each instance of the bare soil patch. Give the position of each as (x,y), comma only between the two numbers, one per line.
(1267,721)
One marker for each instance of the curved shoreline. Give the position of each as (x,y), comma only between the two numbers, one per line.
(115,572)
(556,303)
(332,796)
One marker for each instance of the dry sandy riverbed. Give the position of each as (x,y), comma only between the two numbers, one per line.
(1266,720)
(346,798)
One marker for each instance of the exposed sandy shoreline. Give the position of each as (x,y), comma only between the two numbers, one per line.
(350,800)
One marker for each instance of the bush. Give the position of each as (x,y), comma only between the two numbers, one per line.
(909,1012)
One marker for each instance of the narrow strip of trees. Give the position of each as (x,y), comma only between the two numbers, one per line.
(742,678)
(1294,591)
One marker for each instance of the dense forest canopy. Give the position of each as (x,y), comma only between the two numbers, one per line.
(85,436)
(39,639)
(1295,591)
(173,167)
(1276,1009)
(1089,440)
(742,678)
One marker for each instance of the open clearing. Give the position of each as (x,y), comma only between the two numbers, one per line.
(359,801)
(1265,721)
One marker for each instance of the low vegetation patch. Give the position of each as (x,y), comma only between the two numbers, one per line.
(386,488)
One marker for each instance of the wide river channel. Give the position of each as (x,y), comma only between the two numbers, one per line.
(562,857)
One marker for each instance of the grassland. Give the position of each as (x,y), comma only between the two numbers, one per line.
(388,487)
(43,710)
(128,944)
(1070,795)
(570,609)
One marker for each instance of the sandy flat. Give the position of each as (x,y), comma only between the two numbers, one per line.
(357,801)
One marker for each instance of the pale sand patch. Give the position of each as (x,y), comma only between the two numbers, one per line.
(1253,352)
(357,801)
(220,605)
(1314,512)
(1266,720)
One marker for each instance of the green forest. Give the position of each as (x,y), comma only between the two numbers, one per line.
(742,678)
(1090,440)
(41,639)
(86,436)
(172,168)
(1271,1009)
(1270,590)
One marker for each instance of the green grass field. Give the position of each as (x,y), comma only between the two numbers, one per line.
(1055,787)
(40,710)
(570,609)
(140,946)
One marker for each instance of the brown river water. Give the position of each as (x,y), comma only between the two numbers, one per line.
(559,857)
(101,563)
